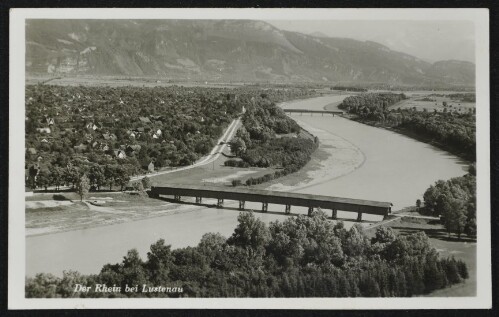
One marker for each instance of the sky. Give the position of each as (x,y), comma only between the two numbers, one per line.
(428,40)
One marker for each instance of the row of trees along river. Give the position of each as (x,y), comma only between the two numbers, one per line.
(451,131)
(300,257)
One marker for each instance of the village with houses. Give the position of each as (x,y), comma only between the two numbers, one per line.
(111,134)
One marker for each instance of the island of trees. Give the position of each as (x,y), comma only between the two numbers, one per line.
(269,138)
(300,257)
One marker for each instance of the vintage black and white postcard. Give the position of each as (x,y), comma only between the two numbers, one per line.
(249,158)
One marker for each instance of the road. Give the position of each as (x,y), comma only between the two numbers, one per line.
(211,157)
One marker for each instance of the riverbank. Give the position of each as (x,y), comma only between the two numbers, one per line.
(334,158)
(443,146)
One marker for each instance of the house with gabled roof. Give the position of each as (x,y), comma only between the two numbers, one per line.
(80,148)
(104,147)
(31,151)
(145,120)
(106,136)
(119,154)
(44,130)
(150,167)
(133,148)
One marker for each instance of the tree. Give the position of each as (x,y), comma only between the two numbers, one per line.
(67,284)
(96,176)
(57,176)
(122,177)
(138,187)
(110,175)
(384,235)
(132,269)
(71,174)
(472,169)
(454,216)
(146,182)
(250,232)
(418,203)
(355,242)
(212,244)
(159,262)
(42,286)
(43,178)
(83,186)
(237,146)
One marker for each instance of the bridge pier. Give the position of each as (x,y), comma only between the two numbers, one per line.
(310,211)
(265,207)
(152,194)
(241,204)
(287,211)
(359,217)
(335,214)
(220,203)
(199,200)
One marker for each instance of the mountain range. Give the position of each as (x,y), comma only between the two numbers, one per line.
(224,50)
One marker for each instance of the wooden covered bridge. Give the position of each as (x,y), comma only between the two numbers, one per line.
(267,197)
(322,112)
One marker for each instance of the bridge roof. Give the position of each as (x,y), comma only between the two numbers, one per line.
(282,194)
(313,111)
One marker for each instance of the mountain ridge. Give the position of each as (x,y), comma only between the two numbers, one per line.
(224,50)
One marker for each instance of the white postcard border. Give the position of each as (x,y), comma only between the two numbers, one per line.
(16,246)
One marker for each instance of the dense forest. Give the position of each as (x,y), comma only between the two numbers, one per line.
(455,201)
(451,131)
(269,138)
(300,257)
(370,105)
(111,133)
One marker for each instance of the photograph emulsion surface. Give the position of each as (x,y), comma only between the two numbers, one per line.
(251,158)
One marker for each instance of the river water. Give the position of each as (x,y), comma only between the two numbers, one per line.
(365,162)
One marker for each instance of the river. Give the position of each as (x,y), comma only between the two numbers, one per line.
(364,162)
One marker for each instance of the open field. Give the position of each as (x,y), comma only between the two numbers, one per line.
(113,81)
(422,101)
